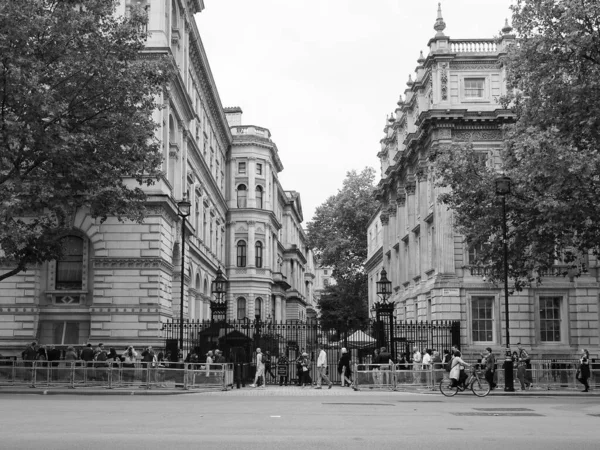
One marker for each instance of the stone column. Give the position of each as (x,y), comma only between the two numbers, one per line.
(401,230)
(410,206)
(232,186)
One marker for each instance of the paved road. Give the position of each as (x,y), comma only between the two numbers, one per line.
(337,420)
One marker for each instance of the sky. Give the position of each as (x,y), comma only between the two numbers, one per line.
(323,75)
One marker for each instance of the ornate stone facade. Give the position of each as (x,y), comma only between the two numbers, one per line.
(427,261)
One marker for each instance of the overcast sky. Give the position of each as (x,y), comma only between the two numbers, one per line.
(322,75)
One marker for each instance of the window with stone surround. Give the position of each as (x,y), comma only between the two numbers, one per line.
(258,256)
(241,254)
(550,319)
(474,87)
(242,167)
(241,196)
(258,307)
(241,308)
(259,197)
(69,273)
(259,169)
(482,318)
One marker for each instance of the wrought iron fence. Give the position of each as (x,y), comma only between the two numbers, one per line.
(238,340)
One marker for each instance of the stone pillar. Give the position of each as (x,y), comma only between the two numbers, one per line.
(401,231)
(232,185)
(268,183)
(410,207)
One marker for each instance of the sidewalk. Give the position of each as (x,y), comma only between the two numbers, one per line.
(279,391)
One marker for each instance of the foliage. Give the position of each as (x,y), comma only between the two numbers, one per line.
(338,236)
(76,104)
(338,231)
(343,306)
(551,152)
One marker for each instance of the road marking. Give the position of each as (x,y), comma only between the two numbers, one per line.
(275,416)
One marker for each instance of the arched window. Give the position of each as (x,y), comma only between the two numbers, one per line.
(205,286)
(259,197)
(241,254)
(241,196)
(258,307)
(69,268)
(172,130)
(174,15)
(258,249)
(241,308)
(198,282)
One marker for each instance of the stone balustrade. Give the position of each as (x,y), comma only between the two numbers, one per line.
(473,46)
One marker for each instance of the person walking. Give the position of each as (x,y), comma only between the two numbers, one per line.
(129,359)
(416,359)
(584,370)
(305,368)
(344,368)
(490,367)
(299,370)
(283,367)
(70,358)
(322,369)
(260,370)
(268,360)
(523,368)
(438,372)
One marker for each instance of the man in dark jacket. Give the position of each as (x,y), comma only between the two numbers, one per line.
(490,367)
(87,354)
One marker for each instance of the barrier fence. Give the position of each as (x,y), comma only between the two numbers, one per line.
(116,376)
(543,376)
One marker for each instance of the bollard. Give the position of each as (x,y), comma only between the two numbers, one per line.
(238,375)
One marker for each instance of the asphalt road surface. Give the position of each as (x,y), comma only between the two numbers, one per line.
(348,421)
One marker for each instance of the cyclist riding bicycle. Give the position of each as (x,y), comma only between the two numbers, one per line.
(457,370)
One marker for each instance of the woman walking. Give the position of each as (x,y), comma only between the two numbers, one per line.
(584,370)
(344,368)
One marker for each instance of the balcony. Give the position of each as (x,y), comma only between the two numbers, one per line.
(251,130)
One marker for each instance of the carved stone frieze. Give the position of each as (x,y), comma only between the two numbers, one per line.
(410,188)
(443,133)
(132,263)
(444,81)
(385,218)
(401,198)
(392,210)
(477,135)
(469,65)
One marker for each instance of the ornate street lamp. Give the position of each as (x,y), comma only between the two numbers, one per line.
(384,313)
(218,307)
(183,210)
(503,189)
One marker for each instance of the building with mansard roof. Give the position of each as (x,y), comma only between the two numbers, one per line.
(118,283)
(454,97)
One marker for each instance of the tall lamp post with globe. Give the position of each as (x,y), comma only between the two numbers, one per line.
(503,189)
(384,314)
(183,210)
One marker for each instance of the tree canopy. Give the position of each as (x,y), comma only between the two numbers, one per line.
(338,236)
(76,105)
(551,152)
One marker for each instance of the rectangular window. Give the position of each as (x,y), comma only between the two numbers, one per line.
(474,87)
(550,319)
(258,169)
(482,320)
(241,167)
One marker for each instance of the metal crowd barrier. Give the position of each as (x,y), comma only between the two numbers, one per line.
(44,374)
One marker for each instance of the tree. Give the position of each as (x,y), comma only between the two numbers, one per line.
(338,230)
(551,152)
(338,236)
(76,104)
(343,305)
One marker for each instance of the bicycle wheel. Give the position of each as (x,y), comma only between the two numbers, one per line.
(447,389)
(480,387)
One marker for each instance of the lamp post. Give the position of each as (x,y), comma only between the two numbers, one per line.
(219,289)
(183,210)
(384,311)
(503,189)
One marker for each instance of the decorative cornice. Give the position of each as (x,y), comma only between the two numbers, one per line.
(132,263)
(401,198)
(471,65)
(477,135)
(410,188)
(384,217)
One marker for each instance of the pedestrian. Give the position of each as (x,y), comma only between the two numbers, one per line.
(446,360)
(375,367)
(299,370)
(129,359)
(402,368)
(490,367)
(113,360)
(54,360)
(283,367)
(438,368)
(100,357)
(584,370)
(416,360)
(322,369)
(30,353)
(148,362)
(268,360)
(457,370)
(209,361)
(70,358)
(260,369)
(385,361)
(524,368)
(219,358)
(426,367)
(344,368)
(305,370)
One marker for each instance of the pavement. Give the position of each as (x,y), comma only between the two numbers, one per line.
(281,391)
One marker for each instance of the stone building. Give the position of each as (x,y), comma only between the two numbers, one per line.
(453,97)
(118,283)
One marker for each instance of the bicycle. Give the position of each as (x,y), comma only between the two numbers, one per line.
(477,384)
